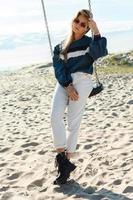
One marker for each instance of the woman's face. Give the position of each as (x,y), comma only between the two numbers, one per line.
(80,25)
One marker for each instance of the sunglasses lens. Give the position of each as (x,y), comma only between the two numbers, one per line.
(83,25)
(76,21)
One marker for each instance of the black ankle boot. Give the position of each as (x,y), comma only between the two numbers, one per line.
(65,167)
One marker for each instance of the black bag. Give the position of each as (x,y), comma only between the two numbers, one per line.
(98,86)
(96,90)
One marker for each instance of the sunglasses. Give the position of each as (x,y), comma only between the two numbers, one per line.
(82,24)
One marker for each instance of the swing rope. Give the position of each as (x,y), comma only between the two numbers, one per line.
(89,5)
(47,27)
(49,38)
(94,64)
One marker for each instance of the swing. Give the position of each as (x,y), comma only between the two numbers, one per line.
(98,86)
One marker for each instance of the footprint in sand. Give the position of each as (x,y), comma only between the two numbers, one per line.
(128,189)
(14,176)
(18,153)
(16,133)
(124,154)
(117,182)
(81,160)
(30,144)
(3,164)
(36,183)
(78,146)
(42,152)
(4,150)
(88,146)
(90,140)
(4,188)
(7,196)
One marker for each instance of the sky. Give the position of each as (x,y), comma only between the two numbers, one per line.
(23,31)
(26,16)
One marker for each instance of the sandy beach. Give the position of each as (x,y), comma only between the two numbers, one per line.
(104,155)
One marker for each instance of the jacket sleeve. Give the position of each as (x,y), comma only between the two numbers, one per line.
(61,74)
(98,47)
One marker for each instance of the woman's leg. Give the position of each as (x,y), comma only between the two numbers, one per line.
(65,167)
(59,104)
(75,113)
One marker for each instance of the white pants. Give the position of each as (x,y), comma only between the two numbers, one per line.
(83,84)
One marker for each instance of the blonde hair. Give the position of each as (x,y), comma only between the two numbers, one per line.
(70,38)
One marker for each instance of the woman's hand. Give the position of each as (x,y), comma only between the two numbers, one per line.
(72,93)
(93,27)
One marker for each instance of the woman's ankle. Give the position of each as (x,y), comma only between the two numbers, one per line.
(60,150)
(68,155)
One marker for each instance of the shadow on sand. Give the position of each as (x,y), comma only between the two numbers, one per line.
(77,191)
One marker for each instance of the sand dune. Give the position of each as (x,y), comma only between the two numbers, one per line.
(104,155)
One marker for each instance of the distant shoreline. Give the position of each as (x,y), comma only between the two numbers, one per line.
(108,60)
(33,52)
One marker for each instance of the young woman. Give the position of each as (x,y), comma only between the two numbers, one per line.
(73,65)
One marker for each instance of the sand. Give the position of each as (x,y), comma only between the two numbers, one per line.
(104,156)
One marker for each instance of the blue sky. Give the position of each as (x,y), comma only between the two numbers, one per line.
(25,16)
(23,36)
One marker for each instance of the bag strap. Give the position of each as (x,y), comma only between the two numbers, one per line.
(96,74)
